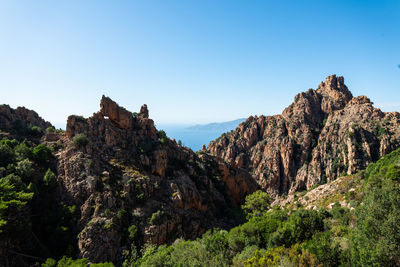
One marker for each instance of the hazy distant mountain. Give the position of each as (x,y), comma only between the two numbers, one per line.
(217,126)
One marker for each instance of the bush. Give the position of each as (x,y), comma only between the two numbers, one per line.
(324,249)
(42,154)
(377,230)
(50,129)
(24,168)
(256,204)
(281,256)
(245,235)
(49,179)
(6,155)
(393,172)
(22,151)
(68,262)
(80,141)
(379,168)
(35,131)
(163,137)
(49,263)
(156,217)
(132,231)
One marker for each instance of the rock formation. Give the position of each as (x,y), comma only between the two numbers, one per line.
(322,134)
(130,174)
(18,123)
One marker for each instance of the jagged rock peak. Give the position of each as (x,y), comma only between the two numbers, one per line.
(332,82)
(144,112)
(335,93)
(324,133)
(115,113)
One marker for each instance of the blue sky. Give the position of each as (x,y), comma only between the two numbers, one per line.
(193,61)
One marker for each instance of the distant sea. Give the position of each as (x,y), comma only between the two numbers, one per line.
(194,136)
(193,139)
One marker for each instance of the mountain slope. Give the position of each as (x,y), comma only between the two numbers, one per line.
(105,187)
(322,134)
(127,174)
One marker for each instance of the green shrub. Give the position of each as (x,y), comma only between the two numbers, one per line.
(69,262)
(322,246)
(49,263)
(24,168)
(156,218)
(103,264)
(393,172)
(163,137)
(245,235)
(376,232)
(121,214)
(6,155)
(12,205)
(42,154)
(50,129)
(80,141)
(49,179)
(256,204)
(282,256)
(132,232)
(22,151)
(379,168)
(35,131)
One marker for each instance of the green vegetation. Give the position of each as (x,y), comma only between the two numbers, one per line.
(50,129)
(49,179)
(368,235)
(156,218)
(29,210)
(256,204)
(42,154)
(80,141)
(69,262)
(163,137)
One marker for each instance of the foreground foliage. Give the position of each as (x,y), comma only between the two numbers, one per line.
(367,235)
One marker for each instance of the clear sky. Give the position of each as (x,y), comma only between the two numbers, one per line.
(193,61)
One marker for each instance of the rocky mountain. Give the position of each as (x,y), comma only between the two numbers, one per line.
(120,183)
(20,122)
(324,133)
(123,174)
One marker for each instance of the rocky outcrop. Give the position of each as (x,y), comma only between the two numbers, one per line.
(322,134)
(144,112)
(18,123)
(130,175)
(115,113)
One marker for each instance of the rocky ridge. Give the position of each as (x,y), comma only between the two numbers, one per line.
(18,123)
(128,174)
(324,133)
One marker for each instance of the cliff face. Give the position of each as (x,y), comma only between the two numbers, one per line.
(322,134)
(129,174)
